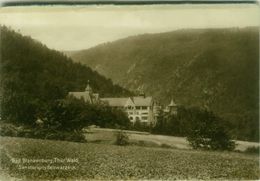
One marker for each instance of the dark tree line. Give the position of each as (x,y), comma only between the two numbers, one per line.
(74,114)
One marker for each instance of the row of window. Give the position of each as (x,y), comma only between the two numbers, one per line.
(144,118)
(131,113)
(138,107)
(134,107)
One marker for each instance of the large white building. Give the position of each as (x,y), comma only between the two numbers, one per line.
(138,108)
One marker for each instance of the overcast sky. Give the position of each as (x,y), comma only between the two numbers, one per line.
(81,27)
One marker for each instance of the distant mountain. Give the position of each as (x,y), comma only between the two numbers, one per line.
(31,75)
(197,67)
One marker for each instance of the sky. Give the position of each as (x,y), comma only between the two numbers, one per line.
(81,27)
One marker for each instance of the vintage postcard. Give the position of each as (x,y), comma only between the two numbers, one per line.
(128,91)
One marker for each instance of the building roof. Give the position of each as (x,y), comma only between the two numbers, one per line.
(172,104)
(85,95)
(142,101)
(88,88)
(115,102)
(121,102)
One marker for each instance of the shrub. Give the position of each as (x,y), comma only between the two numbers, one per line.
(122,138)
(140,126)
(252,150)
(8,130)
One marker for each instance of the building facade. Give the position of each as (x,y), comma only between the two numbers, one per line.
(87,95)
(138,108)
(171,108)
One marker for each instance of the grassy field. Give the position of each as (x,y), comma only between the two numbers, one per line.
(32,159)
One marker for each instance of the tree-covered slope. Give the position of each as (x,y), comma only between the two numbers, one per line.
(214,67)
(32,75)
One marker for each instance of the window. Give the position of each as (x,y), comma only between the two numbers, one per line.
(144,107)
(144,112)
(129,107)
(131,118)
(144,117)
(138,107)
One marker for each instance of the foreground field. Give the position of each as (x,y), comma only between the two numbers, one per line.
(41,159)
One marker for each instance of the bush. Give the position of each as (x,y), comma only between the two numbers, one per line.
(8,130)
(122,138)
(140,126)
(252,150)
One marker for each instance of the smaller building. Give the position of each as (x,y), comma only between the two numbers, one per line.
(87,95)
(171,108)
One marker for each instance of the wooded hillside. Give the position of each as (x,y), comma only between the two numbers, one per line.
(32,75)
(218,68)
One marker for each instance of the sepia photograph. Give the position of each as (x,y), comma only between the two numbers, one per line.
(129,91)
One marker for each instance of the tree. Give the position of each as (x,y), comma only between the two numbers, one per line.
(74,114)
(160,124)
(203,129)
(69,114)
(207,131)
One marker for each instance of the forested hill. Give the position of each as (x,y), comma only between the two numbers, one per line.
(217,67)
(32,74)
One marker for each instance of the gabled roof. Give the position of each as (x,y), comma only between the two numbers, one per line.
(172,104)
(130,102)
(142,101)
(121,102)
(115,102)
(83,95)
(96,96)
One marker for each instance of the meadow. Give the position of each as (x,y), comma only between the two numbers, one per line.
(107,136)
(32,159)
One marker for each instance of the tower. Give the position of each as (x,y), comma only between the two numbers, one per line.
(88,88)
(172,107)
(141,91)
